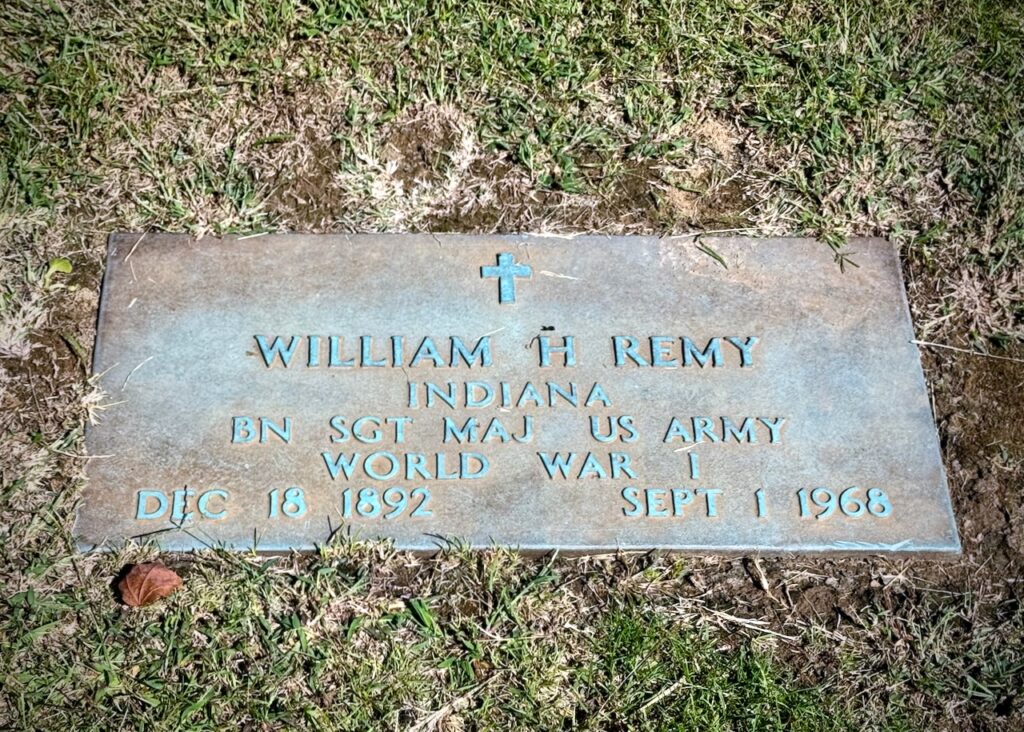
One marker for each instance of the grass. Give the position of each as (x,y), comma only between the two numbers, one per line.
(894,118)
(279,644)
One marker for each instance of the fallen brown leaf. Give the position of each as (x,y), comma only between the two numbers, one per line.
(146,583)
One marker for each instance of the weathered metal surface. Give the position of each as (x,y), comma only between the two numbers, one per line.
(815,437)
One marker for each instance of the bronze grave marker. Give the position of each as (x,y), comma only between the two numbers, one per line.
(582,394)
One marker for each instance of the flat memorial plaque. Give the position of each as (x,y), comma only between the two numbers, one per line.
(580,394)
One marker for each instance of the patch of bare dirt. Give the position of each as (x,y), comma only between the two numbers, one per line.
(428,171)
(298,193)
(421,147)
(709,192)
(979,405)
(59,355)
(509,202)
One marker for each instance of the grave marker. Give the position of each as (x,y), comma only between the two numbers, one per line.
(581,394)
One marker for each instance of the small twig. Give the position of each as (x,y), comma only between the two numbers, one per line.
(751,624)
(32,387)
(700,234)
(967,351)
(762,579)
(553,235)
(432,720)
(77,457)
(663,693)
(134,247)
(556,274)
(125,384)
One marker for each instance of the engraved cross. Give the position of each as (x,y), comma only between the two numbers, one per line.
(507,271)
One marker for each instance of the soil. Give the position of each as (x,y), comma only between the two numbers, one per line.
(298,193)
(979,403)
